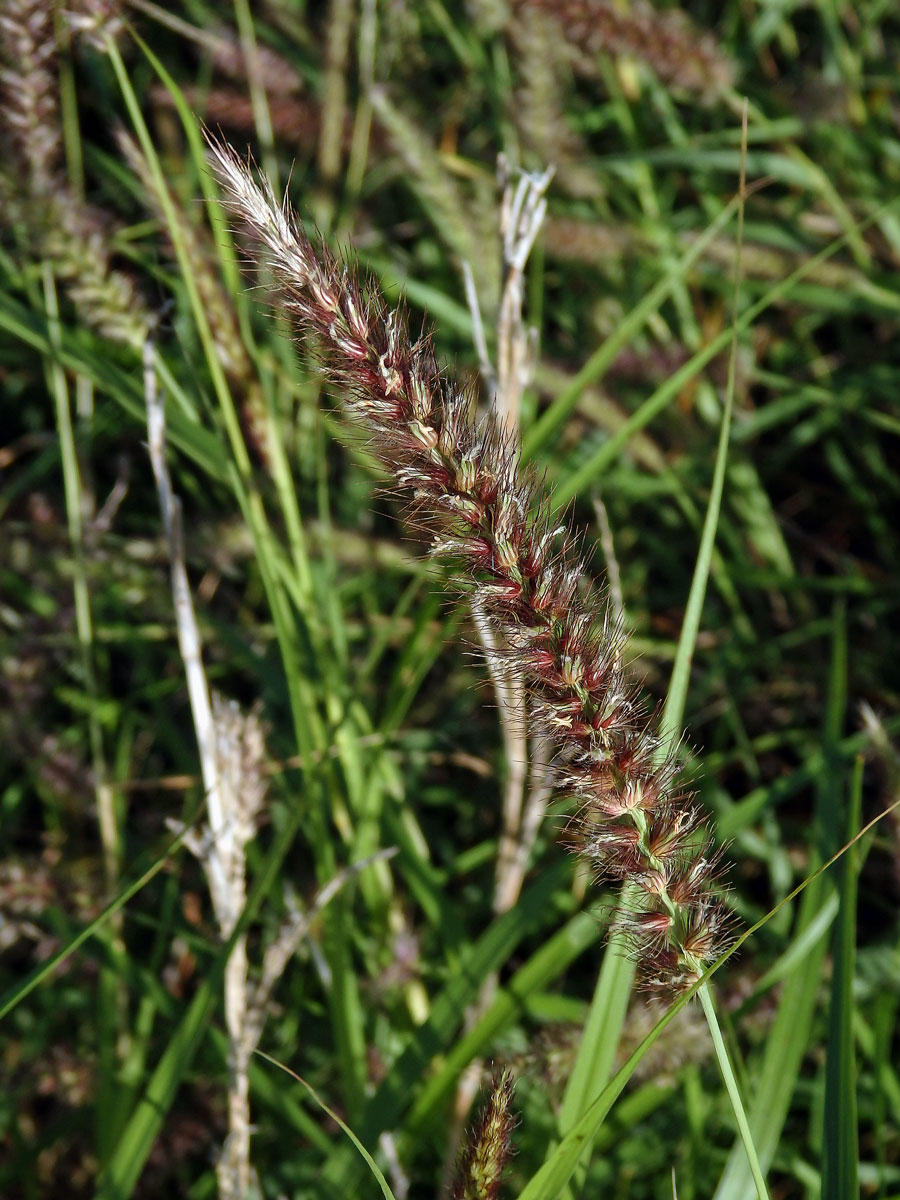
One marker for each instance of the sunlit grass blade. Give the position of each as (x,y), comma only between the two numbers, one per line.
(600,1037)
(673,710)
(553,1177)
(610,1001)
(671,724)
(557,953)
(123,386)
(560,1165)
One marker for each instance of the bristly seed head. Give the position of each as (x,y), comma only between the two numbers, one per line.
(489,1146)
(483,510)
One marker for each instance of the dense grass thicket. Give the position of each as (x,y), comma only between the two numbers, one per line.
(277,788)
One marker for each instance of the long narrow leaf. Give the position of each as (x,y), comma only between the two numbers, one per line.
(789,1034)
(840,1166)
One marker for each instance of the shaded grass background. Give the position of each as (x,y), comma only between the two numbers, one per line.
(314,601)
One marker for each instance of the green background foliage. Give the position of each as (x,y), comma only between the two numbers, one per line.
(383,120)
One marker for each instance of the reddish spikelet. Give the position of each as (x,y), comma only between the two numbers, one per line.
(490,1146)
(483,512)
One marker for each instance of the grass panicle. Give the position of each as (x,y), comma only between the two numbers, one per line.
(400,914)
(489,1147)
(486,514)
(71,235)
(28,79)
(538,109)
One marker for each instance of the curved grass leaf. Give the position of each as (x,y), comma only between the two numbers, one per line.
(656,403)
(593,369)
(790,1032)
(553,1177)
(369,1160)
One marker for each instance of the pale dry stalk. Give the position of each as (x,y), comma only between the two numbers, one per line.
(613,575)
(235,774)
(522,210)
(231,753)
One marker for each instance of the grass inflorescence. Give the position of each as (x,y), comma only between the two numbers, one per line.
(484,512)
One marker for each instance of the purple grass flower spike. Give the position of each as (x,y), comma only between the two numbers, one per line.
(487,513)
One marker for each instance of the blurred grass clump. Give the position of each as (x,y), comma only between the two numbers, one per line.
(355,705)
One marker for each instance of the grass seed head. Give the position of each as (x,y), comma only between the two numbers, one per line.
(489,1147)
(483,510)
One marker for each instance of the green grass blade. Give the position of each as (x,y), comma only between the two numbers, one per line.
(487,955)
(614,986)
(126,1162)
(610,1001)
(656,403)
(557,953)
(15,995)
(742,814)
(553,1177)
(840,1167)
(124,388)
(673,711)
(600,1037)
(676,696)
(790,1032)
(734,1095)
(304,707)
